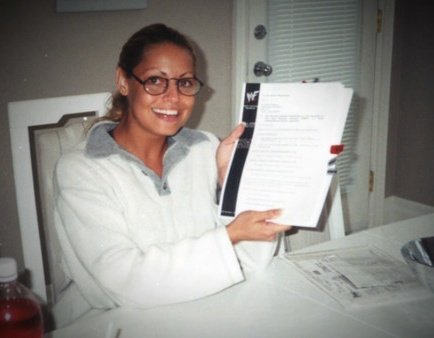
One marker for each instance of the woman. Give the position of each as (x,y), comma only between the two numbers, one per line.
(135,204)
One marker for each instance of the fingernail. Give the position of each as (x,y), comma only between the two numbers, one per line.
(278,211)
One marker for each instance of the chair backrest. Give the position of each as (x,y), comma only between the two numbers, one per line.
(41,130)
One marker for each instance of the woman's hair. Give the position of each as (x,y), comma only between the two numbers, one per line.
(132,54)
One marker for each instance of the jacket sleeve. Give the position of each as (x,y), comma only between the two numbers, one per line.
(255,256)
(111,270)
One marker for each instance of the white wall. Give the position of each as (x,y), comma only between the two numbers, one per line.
(44,54)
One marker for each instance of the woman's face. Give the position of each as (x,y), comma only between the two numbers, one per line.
(164,114)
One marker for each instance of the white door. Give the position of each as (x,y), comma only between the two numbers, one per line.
(330,40)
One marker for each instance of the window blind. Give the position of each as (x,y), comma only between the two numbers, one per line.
(319,39)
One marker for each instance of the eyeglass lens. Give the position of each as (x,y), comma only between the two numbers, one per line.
(156,85)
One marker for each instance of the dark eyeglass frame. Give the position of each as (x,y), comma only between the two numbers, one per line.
(178,80)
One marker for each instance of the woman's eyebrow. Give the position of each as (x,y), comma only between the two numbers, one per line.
(163,73)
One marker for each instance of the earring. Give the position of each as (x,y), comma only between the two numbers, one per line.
(123,91)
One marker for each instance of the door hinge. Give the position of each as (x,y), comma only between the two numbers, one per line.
(371,181)
(379,20)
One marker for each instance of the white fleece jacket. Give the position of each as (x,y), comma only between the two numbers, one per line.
(131,238)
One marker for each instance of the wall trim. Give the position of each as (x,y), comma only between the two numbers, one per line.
(380,123)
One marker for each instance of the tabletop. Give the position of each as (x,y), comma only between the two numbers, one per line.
(279,302)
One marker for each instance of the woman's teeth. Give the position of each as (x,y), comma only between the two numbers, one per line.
(168,112)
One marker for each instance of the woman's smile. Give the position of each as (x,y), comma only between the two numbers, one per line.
(166,114)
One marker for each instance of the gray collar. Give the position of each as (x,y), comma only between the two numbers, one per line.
(101,144)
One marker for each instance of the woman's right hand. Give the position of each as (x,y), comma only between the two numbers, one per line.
(255,226)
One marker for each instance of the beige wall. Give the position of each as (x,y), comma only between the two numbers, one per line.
(44,54)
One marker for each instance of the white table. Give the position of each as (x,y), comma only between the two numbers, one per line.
(280,302)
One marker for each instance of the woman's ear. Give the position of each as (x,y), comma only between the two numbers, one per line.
(121,81)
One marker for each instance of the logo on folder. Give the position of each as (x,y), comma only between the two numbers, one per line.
(252,94)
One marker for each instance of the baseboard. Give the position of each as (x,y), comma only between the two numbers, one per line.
(397,209)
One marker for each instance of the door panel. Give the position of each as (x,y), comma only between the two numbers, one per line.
(333,40)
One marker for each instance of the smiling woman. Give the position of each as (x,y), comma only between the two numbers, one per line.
(152,115)
(135,205)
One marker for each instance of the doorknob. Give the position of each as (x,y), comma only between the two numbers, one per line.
(262,68)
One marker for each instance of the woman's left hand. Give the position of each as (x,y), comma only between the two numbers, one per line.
(224,151)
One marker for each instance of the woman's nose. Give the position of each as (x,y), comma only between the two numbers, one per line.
(172,92)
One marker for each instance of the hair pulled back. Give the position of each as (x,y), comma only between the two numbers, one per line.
(132,54)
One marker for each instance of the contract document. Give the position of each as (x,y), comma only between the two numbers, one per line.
(286,156)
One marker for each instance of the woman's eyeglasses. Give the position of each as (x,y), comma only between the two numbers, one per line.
(156,85)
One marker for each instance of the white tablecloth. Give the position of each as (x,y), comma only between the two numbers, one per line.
(280,302)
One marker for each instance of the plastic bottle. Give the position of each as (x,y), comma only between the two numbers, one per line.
(20,312)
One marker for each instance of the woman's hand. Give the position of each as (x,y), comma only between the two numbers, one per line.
(255,226)
(224,151)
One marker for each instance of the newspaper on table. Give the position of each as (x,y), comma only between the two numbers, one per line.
(358,277)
